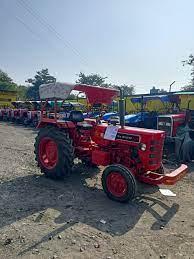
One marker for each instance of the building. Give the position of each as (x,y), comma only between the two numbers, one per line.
(154,90)
(6,97)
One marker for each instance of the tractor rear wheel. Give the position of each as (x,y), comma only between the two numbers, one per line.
(119,183)
(54,152)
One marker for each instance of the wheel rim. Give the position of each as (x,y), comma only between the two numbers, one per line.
(48,153)
(116,184)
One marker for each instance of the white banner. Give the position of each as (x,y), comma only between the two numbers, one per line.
(111,132)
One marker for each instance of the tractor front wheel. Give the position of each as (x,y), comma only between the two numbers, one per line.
(54,152)
(119,183)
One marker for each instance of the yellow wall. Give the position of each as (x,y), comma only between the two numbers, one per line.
(130,107)
(154,105)
(7,97)
(184,101)
(157,105)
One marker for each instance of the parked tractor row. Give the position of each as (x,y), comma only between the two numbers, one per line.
(131,147)
(27,113)
(178,138)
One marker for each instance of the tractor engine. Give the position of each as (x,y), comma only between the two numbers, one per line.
(136,148)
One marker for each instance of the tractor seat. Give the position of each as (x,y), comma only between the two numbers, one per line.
(76,116)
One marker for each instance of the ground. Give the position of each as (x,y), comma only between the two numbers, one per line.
(41,218)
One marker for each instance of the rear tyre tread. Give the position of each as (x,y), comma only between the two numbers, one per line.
(65,152)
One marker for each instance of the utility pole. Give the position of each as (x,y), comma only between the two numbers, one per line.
(171,86)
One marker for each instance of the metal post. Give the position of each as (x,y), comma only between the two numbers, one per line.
(122,108)
(171,86)
(55,109)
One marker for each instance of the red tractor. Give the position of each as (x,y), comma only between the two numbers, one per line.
(19,112)
(179,135)
(129,154)
(33,113)
(170,123)
(3,113)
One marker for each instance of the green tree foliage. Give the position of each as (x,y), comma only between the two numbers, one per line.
(128,90)
(21,92)
(190,62)
(92,79)
(4,77)
(41,77)
(155,90)
(6,82)
(162,91)
(96,79)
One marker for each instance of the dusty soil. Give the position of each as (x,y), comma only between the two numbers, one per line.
(41,218)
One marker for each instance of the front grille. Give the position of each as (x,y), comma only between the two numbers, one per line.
(165,124)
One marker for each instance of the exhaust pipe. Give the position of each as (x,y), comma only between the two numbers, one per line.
(122,108)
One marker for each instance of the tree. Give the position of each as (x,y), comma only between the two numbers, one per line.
(128,90)
(155,90)
(6,82)
(162,91)
(96,79)
(4,77)
(190,62)
(92,79)
(41,77)
(21,92)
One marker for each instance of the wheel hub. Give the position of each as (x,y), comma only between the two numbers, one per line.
(48,153)
(116,184)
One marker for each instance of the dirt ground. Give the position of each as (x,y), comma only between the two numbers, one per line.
(41,218)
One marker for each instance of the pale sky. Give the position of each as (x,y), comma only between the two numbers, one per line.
(138,42)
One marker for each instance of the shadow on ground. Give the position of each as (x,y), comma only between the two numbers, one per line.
(77,202)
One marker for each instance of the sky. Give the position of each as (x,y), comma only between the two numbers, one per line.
(131,42)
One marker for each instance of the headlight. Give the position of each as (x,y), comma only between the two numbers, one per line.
(143,147)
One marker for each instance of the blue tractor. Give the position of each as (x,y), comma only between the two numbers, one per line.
(142,119)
